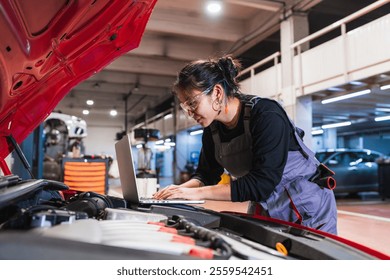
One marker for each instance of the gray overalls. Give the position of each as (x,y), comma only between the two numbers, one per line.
(295,198)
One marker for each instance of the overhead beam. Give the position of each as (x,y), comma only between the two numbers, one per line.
(174,47)
(119,77)
(146,65)
(258,4)
(101,87)
(258,35)
(164,21)
(305,5)
(112,90)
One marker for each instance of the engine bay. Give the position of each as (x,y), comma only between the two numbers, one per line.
(42,219)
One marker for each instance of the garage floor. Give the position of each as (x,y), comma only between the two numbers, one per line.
(366,222)
(364,219)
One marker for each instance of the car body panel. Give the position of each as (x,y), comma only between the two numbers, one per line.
(48,47)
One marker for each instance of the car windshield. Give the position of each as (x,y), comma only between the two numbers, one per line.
(322,156)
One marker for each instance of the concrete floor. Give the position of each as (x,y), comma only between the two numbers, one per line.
(365,221)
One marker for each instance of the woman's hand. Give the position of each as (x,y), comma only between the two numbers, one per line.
(178,192)
(162,194)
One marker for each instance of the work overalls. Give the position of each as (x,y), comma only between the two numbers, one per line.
(295,198)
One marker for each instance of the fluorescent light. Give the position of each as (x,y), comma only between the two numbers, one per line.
(196,132)
(113,112)
(90,102)
(346,96)
(356,83)
(333,125)
(317,132)
(335,89)
(85,112)
(385,87)
(169,116)
(382,109)
(214,7)
(159,142)
(384,118)
(170,144)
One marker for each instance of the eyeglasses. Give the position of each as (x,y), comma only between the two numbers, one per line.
(190,106)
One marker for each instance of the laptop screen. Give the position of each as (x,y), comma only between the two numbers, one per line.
(126,169)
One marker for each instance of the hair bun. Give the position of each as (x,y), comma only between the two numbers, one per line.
(230,65)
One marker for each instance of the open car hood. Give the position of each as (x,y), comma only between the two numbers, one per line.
(48,47)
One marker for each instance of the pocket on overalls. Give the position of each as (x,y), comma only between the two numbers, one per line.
(305,199)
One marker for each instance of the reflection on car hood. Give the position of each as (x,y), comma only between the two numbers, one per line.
(48,47)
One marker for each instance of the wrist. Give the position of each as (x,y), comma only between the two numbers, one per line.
(199,182)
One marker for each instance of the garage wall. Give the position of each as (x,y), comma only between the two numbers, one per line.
(101,140)
(380,143)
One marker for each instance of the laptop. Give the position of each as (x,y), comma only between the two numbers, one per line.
(128,177)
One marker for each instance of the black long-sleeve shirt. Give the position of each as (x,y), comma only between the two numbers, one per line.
(272,139)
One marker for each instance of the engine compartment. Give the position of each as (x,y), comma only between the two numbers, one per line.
(42,219)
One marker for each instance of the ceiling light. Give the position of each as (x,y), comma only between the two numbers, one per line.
(170,144)
(385,87)
(90,102)
(136,87)
(346,96)
(317,132)
(169,116)
(333,125)
(382,109)
(159,142)
(196,132)
(214,7)
(384,118)
(335,89)
(113,112)
(85,112)
(356,83)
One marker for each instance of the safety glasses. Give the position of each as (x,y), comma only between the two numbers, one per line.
(189,106)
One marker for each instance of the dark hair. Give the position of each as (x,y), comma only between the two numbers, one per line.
(203,75)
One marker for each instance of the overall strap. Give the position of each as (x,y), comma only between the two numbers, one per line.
(247,116)
(306,152)
(215,134)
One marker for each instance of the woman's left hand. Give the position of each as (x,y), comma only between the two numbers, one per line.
(181,193)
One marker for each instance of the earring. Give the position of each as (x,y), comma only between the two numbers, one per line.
(216,105)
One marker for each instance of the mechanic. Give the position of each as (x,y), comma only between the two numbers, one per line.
(255,141)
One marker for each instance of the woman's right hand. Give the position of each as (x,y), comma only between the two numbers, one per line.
(164,193)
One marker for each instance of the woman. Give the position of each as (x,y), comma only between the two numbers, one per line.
(255,141)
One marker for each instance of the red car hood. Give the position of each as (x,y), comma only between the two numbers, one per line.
(48,47)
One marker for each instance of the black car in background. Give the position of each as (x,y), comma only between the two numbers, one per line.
(356,170)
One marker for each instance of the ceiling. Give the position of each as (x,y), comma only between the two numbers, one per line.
(361,110)
(180,31)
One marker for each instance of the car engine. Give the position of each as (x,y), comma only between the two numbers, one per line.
(42,219)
